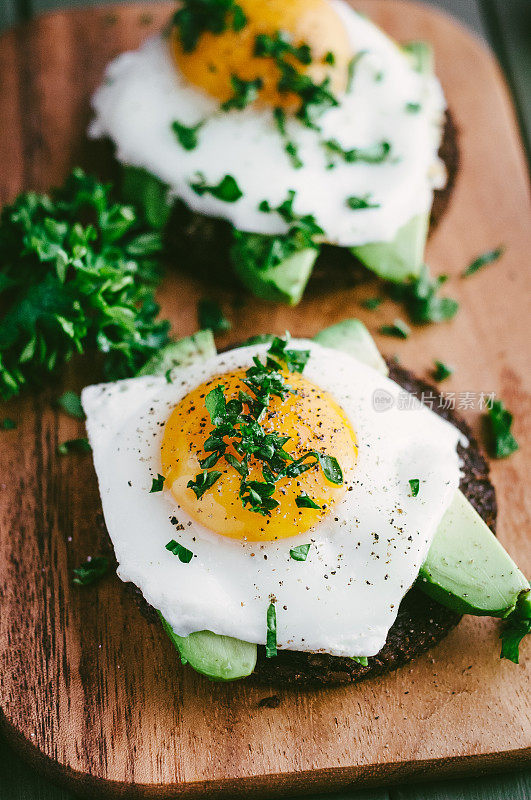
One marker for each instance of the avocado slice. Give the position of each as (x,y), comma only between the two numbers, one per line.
(420,55)
(403,257)
(284,282)
(198,347)
(352,337)
(147,192)
(220,658)
(467,569)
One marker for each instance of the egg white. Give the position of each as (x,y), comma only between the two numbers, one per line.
(143,93)
(364,556)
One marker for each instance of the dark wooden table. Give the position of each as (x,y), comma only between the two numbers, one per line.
(506,26)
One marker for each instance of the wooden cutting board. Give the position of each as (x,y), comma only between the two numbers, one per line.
(93,692)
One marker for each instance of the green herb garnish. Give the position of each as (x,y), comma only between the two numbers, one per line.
(421,300)
(398,329)
(358,203)
(351,69)
(203,481)
(271,634)
(187,135)
(303,228)
(245,93)
(441,371)
(211,316)
(8,424)
(279,115)
(157,484)
(294,360)
(361,660)
(279,45)
(70,403)
(196,17)
(517,625)
(413,108)
(227,189)
(91,571)
(500,421)
(304,501)
(329,58)
(74,446)
(372,303)
(374,154)
(182,553)
(414,484)
(77,273)
(300,553)
(481,261)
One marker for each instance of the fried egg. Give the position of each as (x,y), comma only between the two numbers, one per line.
(382,102)
(367,540)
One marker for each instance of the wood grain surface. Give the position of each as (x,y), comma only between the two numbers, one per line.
(92,691)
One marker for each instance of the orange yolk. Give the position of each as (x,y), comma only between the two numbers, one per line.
(313,421)
(218,57)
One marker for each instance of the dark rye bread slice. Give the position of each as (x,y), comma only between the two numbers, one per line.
(421,622)
(192,238)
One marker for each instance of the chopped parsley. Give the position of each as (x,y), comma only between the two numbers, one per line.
(500,421)
(196,17)
(211,316)
(227,189)
(77,274)
(70,403)
(8,424)
(290,147)
(157,484)
(187,135)
(329,58)
(361,660)
(182,553)
(300,553)
(245,93)
(372,303)
(351,69)
(414,485)
(481,261)
(279,46)
(374,154)
(358,203)
(302,228)
(398,329)
(420,297)
(74,446)
(237,423)
(304,501)
(271,631)
(517,625)
(413,108)
(441,371)
(91,571)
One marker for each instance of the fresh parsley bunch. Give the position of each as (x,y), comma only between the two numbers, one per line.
(77,273)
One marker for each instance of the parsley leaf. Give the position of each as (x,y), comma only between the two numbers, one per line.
(351,69)
(279,115)
(374,154)
(331,468)
(70,403)
(414,484)
(481,261)
(329,58)
(91,571)
(216,405)
(420,298)
(203,481)
(196,17)
(8,424)
(303,227)
(245,93)
(295,360)
(300,553)
(78,272)
(442,371)
(398,329)
(271,631)
(500,421)
(157,484)
(182,553)
(517,625)
(74,446)
(304,501)
(361,660)
(211,316)
(359,203)
(413,108)
(187,134)
(227,189)
(372,303)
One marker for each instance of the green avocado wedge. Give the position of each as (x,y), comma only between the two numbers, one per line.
(352,337)
(220,658)
(467,569)
(198,347)
(403,257)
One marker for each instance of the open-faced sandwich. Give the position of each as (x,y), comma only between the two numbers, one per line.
(268,134)
(292,511)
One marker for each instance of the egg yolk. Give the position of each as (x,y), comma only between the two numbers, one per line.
(218,57)
(311,418)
